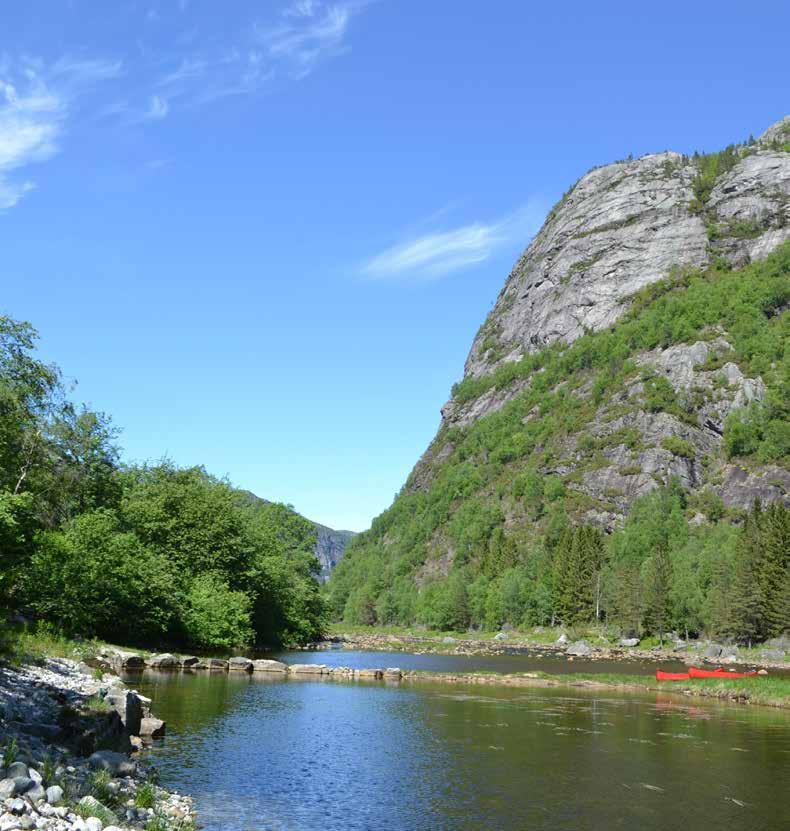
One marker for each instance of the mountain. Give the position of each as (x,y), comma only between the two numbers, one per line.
(636,353)
(330,546)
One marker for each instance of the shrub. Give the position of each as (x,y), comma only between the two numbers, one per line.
(678,447)
(215,616)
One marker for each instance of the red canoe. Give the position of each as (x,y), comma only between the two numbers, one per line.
(718,673)
(671,676)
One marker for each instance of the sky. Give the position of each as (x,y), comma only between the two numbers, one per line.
(262,235)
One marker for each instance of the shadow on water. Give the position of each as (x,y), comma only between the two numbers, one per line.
(298,755)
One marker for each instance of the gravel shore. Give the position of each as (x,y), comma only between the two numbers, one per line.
(67,759)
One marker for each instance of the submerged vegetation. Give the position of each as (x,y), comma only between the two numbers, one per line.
(492,529)
(146,554)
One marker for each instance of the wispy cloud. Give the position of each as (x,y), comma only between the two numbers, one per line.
(158,108)
(35,101)
(309,32)
(436,254)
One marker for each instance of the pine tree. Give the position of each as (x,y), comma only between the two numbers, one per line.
(776,569)
(658,584)
(578,562)
(748,597)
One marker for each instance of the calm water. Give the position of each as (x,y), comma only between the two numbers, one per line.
(297,755)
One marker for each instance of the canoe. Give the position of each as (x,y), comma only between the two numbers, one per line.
(671,676)
(718,673)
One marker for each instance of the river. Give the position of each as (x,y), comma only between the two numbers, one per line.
(297,755)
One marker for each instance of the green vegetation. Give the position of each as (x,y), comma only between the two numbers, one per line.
(149,554)
(488,536)
(145,796)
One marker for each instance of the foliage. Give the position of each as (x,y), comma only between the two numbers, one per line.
(135,554)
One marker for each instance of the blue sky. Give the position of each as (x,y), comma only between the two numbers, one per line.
(263,234)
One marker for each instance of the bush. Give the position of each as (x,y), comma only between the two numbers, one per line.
(215,617)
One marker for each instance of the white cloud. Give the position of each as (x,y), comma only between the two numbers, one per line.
(158,108)
(440,253)
(34,104)
(310,32)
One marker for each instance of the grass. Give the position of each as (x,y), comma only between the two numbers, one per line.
(145,796)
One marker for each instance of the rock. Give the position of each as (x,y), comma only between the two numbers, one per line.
(266,665)
(7,788)
(240,665)
(54,795)
(712,651)
(212,664)
(448,640)
(368,673)
(563,638)
(580,648)
(163,661)
(189,662)
(501,636)
(152,727)
(17,769)
(22,784)
(116,763)
(629,642)
(17,806)
(35,776)
(782,642)
(129,706)
(308,669)
(120,659)
(94,824)
(35,793)
(772,654)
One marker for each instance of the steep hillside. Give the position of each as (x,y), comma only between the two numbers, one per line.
(635,357)
(330,545)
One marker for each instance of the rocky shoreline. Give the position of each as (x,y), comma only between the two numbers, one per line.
(70,742)
(772,656)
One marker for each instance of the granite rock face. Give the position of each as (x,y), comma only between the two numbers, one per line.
(330,545)
(623,226)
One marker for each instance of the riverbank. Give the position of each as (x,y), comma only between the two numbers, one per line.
(590,644)
(70,754)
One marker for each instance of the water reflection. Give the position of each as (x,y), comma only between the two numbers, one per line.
(297,755)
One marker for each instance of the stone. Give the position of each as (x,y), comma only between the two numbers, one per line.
(22,784)
(189,661)
(448,640)
(94,824)
(712,651)
(240,665)
(501,636)
(121,659)
(308,669)
(129,706)
(772,654)
(629,642)
(152,727)
(35,776)
(580,648)
(116,763)
(212,664)
(266,665)
(17,769)
(54,795)
(35,793)
(163,661)
(563,638)
(7,788)
(782,642)
(17,806)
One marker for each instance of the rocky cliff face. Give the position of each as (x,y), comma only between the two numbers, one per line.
(625,225)
(330,546)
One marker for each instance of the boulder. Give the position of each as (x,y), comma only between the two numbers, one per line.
(772,654)
(266,665)
(629,641)
(7,788)
(579,648)
(189,661)
(501,636)
(782,642)
(93,824)
(116,763)
(212,664)
(712,651)
(369,673)
(54,794)
(563,638)
(308,669)
(129,706)
(240,665)
(163,661)
(152,727)
(448,639)
(35,793)
(125,660)
(17,769)
(22,784)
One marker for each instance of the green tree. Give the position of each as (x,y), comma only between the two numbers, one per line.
(215,616)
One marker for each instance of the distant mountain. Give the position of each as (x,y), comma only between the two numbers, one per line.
(330,545)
